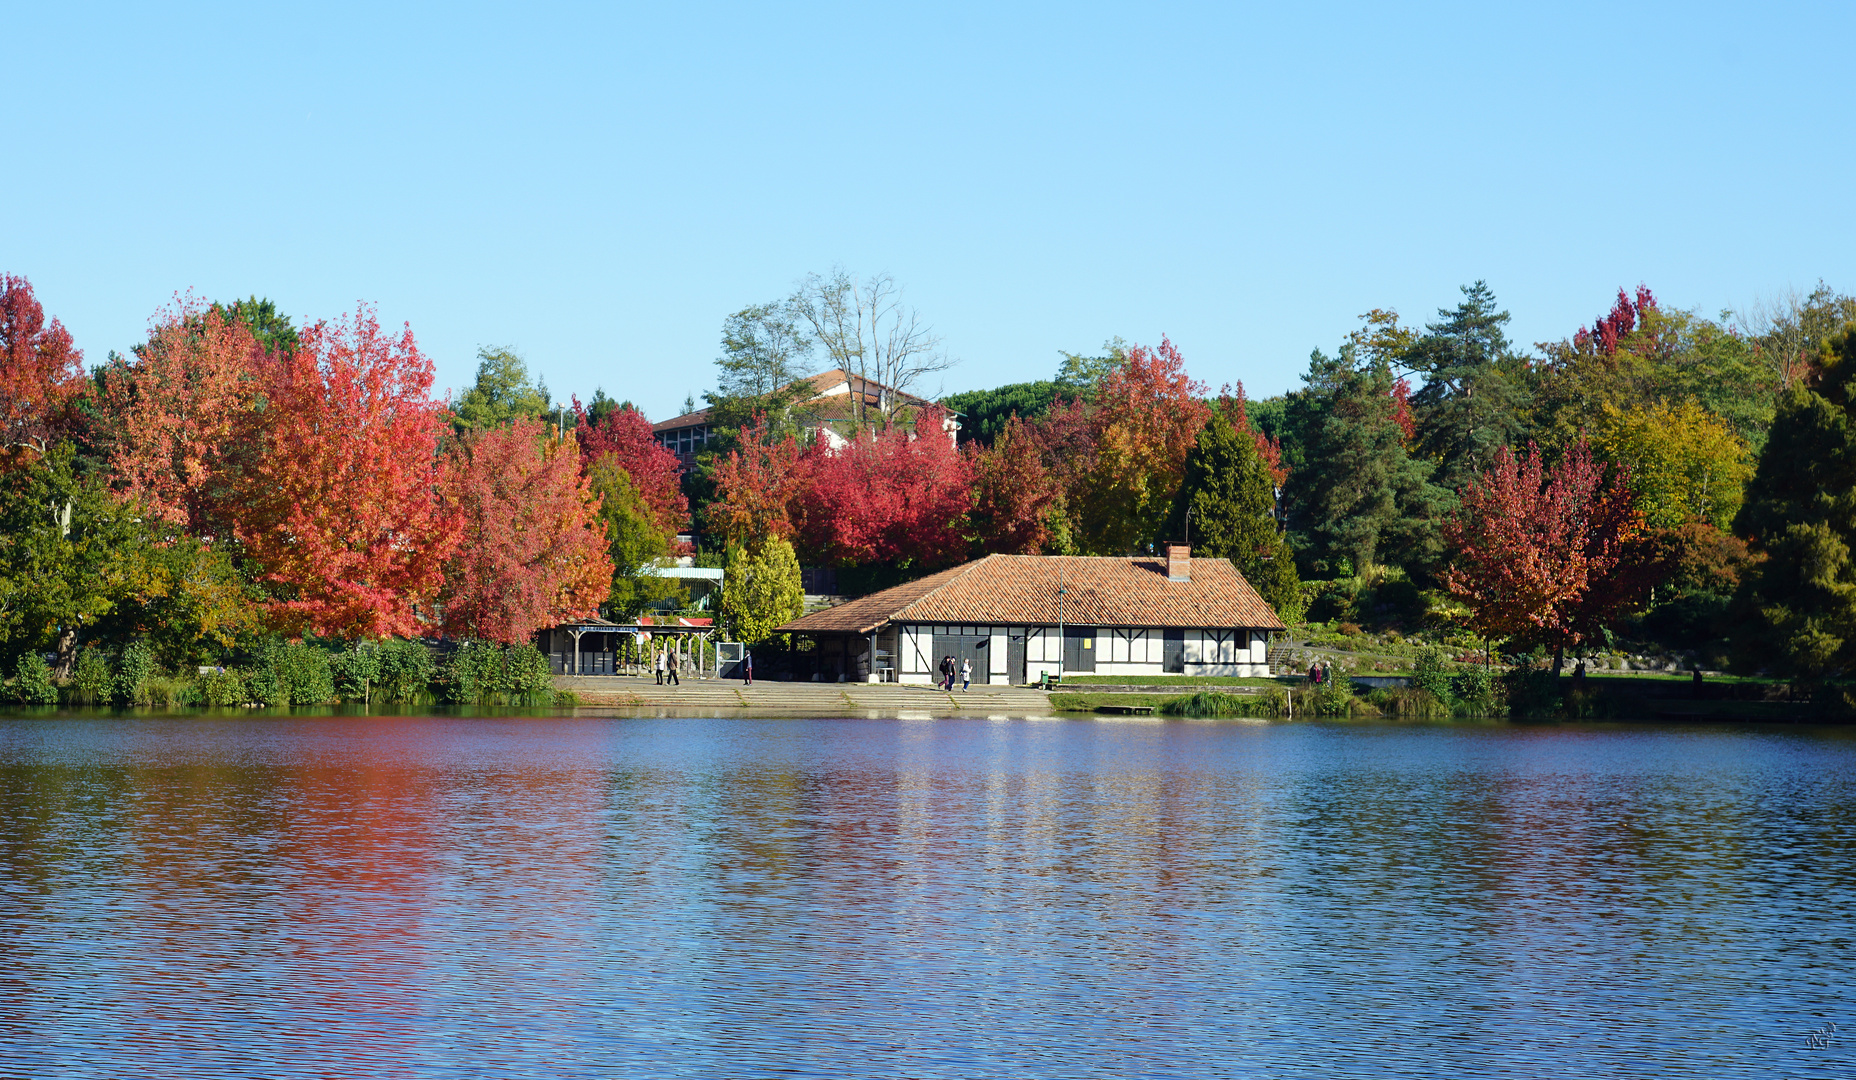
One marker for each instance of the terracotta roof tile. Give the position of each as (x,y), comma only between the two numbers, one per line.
(1022,590)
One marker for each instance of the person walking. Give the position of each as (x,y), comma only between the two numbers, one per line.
(670,668)
(947,673)
(747,667)
(966,675)
(657,662)
(1314,673)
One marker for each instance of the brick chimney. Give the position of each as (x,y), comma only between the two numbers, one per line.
(1178,562)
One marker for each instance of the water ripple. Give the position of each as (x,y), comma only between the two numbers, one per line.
(452,897)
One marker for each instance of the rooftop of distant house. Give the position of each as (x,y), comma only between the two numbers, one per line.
(826,387)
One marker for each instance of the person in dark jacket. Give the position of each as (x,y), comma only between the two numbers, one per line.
(747,667)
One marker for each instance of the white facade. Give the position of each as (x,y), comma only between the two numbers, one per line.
(1120,651)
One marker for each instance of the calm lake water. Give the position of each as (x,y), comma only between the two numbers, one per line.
(446,897)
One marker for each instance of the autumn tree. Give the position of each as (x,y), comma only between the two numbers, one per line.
(1686,464)
(761,589)
(180,420)
(1546,555)
(626,436)
(755,485)
(1226,510)
(341,508)
(534,545)
(41,375)
(635,541)
(900,496)
(1143,420)
(1014,493)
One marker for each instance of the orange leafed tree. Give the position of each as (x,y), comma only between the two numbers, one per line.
(755,484)
(341,507)
(1013,493)
(179,420)
(1145,416)
(626,435)
(1546,555)
(41,375)
(534,550)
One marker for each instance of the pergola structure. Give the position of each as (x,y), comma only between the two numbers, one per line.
(563,643)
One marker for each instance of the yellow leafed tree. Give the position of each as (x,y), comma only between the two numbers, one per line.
(1686,463)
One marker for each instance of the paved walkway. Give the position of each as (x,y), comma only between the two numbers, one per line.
(822,699)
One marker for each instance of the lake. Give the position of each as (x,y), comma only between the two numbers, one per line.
(962,898)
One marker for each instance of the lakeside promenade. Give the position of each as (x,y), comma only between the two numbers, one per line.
(802,697)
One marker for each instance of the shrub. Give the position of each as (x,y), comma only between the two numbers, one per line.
(1531,692)
(1477,689)
(92,684)
(1431,673)
(133,671)
(222,689)
(527,679)
(354,671)
(1335,697)
(32,681)
(406,672)
(479,673)
(164,691)
(293,674)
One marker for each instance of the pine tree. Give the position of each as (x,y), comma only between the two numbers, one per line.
(1798,606)
(1357,494)
(1230,497)
(1471,402)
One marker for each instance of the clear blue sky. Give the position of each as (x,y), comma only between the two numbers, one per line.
(598,186)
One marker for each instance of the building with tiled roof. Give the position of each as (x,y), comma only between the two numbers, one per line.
(826,412)
(1016,617)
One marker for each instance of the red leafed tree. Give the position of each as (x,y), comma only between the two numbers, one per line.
(756,484)
(1545,555)
(1145,417)
(626,435)
(179,419)
(41,375)
(1013,493)
(1624,317)
(1233,407)
(534,548)
(901,495)
(341,508)
(1401,409)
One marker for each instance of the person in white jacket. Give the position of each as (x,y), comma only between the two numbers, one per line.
(966,675)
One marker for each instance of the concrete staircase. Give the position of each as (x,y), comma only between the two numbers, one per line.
(718,696)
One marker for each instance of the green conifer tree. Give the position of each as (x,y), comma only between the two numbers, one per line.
(1473,399)
(1798,607)
(1357,496)
(1231,499)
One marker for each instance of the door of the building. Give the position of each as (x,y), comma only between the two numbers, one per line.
(1173,652)
(1015,656)
(1079,649)
(964,647)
